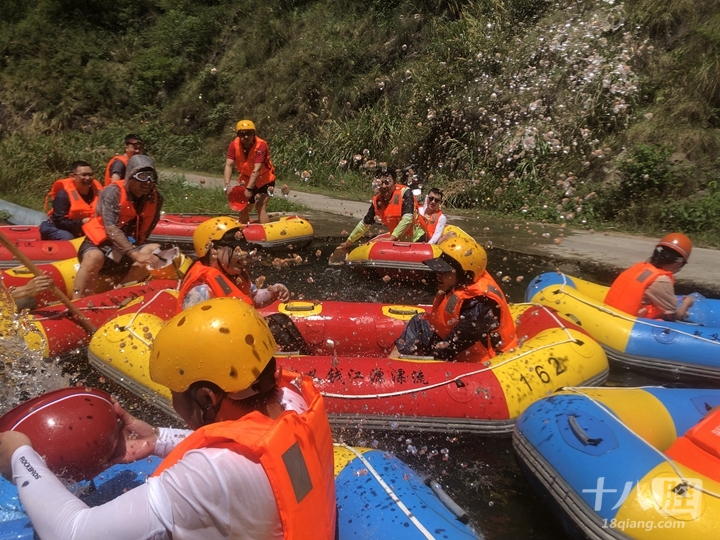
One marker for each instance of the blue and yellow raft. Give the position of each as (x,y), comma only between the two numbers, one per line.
(378,497)
(626,462)
(678,350)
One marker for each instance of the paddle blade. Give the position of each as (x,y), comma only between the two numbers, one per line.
(237,199)
(338,256)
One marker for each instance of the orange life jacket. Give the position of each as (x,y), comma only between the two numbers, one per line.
(626,292)
(296,452)
(429,223)
(245,163)
(219,284)
(108,178)
(699,448)
(79,209)
(95,229)
(445,315)
(391,213)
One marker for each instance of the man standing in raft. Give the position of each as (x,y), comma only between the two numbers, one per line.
(258,465)
(117,165)
(73,203)
(647,289)
(250,155)
(126,214)
(221,268)
(470,319)
(394,205)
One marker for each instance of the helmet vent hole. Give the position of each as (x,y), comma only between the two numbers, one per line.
(205,308)
(224,330)
(249,339)
(181,371)
(181,321)
(233,373)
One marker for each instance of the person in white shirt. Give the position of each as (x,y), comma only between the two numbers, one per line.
(259,463)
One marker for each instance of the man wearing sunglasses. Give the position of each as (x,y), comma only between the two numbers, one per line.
(431,218)
(126,213)
(250,155)
(73,203)
(394,205)
(116,167)
(647,289)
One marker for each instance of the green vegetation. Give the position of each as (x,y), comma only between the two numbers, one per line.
(595,113)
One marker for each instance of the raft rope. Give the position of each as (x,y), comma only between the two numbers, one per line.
(129,325)
(404,509)
(468,374)
(668,460)
(628,318)
(63,313)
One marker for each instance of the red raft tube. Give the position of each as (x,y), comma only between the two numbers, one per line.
(347,345)
(401,260)
(53,331)
(285,231)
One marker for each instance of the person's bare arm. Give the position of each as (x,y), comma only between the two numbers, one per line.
(227,172)
(251,180)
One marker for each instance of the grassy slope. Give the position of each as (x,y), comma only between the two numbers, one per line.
(597,113)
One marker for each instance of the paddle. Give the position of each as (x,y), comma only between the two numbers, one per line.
(237,199)
(82,320)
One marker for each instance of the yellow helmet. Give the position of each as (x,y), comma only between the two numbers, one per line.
(222,341)
(464,251)
(213,230)
(244,125)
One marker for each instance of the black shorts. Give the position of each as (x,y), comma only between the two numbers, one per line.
(257,190)
(115,264)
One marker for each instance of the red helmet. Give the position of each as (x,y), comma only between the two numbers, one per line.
(74,429)
(679,242)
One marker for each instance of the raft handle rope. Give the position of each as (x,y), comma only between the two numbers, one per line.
(669,461)
(128,326)
(628,318)
(404,509)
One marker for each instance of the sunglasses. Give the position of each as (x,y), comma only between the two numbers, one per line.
(145,176)
(434,199)
(243,134)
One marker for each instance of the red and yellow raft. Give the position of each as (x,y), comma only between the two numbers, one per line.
(173,228)
(396,259)
(348,344)
(53,331)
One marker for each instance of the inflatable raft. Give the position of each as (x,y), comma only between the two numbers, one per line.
(350,365)
(626,462)
(286,230)
(63,274)
(677,350)
(396,259)
(172,228)
(39,251)
(378,496)
(53,331)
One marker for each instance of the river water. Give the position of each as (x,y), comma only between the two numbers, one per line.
(479,472)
